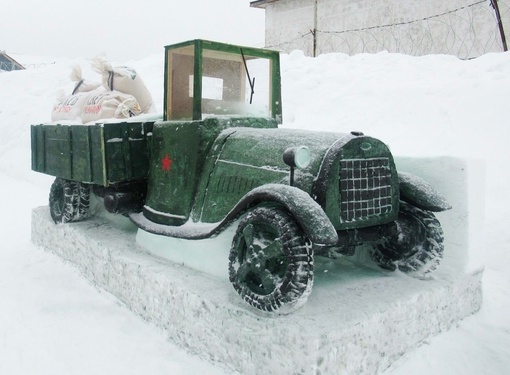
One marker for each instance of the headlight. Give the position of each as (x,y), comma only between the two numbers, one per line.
(299,157)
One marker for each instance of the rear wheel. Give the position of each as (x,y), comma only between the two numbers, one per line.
(69,201)
(84,201)
(417,246)
(271,260)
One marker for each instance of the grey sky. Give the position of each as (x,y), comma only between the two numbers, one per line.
(123,29)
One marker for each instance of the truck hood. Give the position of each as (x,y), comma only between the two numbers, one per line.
(264,148)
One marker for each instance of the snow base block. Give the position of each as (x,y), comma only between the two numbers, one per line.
(358,319)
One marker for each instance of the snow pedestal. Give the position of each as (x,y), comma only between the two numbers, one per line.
(358,319)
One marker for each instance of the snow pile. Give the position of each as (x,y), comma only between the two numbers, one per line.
(421,106)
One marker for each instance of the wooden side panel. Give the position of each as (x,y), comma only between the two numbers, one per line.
(58,151)
(101,154)
(140,146)
(81,151)
(97,155)
(127,152)
(38,148)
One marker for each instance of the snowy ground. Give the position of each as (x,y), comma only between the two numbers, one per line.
(53,322)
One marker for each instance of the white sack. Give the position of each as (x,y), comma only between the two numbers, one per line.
(95,105)
(81,84)
(102,104)
(124,79)
(69,107)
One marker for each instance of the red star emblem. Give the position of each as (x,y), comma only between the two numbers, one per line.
(166,163)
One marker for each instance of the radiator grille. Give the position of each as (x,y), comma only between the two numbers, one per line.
(365,188)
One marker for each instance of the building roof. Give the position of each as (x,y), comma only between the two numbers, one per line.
(8,63)
(261,3)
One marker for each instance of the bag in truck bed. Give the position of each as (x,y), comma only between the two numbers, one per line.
(95,105)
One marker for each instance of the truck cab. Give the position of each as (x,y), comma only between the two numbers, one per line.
(205,78)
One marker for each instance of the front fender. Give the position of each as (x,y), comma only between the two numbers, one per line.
(419,193)
(303,208)
(309,215)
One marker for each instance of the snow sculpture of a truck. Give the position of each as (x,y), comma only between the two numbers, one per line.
(218,158)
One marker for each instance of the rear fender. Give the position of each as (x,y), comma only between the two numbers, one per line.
(419,193)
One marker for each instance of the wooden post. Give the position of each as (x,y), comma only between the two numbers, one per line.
(314,33)
(494,4)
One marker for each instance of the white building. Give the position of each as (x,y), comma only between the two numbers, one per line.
(464,28)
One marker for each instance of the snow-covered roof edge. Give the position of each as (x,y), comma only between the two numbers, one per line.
(9,58)
(261,3)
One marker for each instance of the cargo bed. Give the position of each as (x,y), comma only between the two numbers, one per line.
(101,154)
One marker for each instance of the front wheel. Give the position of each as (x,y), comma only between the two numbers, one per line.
(69,200)
(417,245)
(271,260)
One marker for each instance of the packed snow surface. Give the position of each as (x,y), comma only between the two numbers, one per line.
(53,322)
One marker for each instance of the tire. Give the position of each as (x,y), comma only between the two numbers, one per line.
(418,245)
(69,201)
(271,261)
(84,201)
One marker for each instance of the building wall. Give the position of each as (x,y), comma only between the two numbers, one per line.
(286,23)
(465,28)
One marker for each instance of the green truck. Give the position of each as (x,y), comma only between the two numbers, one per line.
(218,158)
